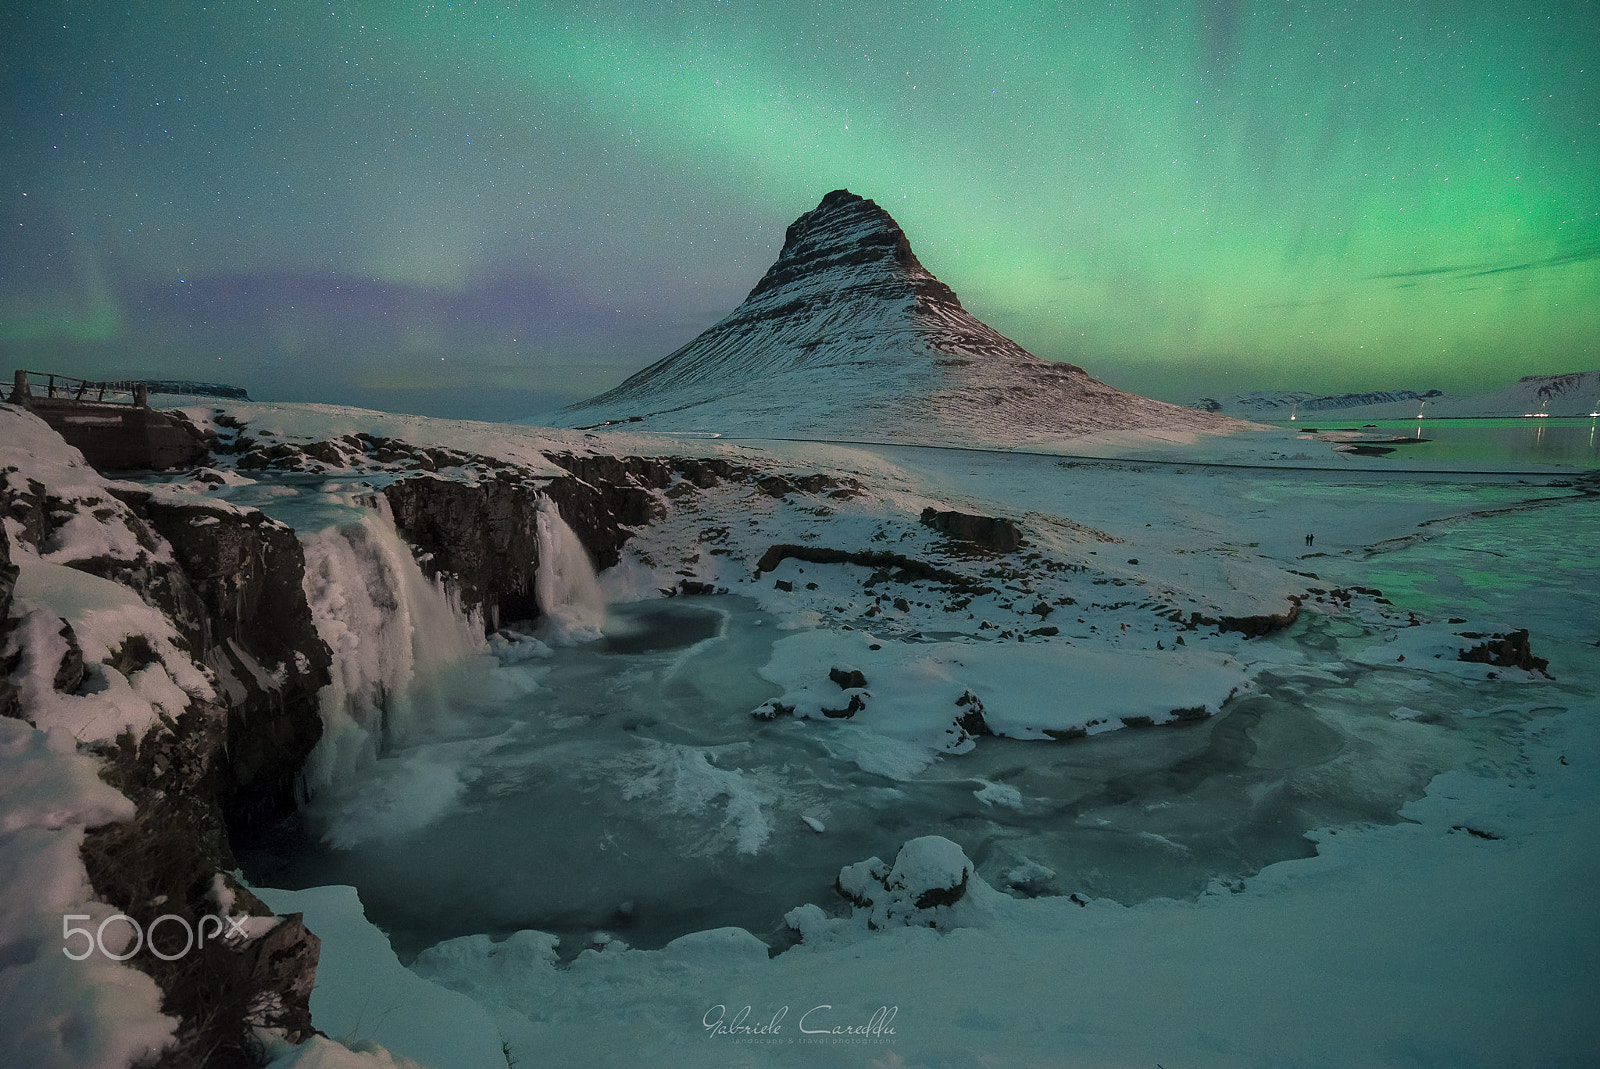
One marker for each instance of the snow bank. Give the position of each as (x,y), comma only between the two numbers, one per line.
(104,618)
(934,695)
(56,1012)
(364,996)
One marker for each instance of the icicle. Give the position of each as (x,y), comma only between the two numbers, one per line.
(569,598)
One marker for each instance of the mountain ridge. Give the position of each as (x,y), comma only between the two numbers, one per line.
(1565,394)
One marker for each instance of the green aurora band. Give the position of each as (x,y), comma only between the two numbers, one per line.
(1184,198)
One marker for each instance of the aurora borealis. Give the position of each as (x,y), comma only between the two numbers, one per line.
(484,209)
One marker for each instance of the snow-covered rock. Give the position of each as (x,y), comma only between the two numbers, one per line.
(932,884)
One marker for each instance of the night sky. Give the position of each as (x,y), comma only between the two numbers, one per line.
(485,208)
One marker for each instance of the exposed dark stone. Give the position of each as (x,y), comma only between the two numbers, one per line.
(783,584)
(771,710)
(908,569)
(990,532)
(847,679)
(944,896)
(775,485)
(856,705)
(164,861)
(1256,626)
(483,539)
(71,671)
(244,612)
(970,719)
(608,499)
(284,961)
(1510,650)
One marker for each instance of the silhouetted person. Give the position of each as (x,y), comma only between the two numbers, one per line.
(1309,538)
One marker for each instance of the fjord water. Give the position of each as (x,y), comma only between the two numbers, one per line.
(1565,441)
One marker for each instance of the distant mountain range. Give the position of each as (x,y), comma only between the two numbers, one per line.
(1575,394)
(195,389)
(849,337)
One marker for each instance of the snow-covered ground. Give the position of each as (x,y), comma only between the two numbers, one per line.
(1450,925)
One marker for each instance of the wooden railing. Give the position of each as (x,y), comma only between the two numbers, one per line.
(44,385)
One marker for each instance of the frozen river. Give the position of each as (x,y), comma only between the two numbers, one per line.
(621,786)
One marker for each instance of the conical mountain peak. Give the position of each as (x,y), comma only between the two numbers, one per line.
(848,336)
(850,235)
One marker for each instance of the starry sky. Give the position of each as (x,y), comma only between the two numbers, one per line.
(488,209)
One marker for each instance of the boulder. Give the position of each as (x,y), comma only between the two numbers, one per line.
(929,876)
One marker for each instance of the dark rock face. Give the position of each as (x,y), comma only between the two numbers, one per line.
(906,569)
(929,875)
(254,628)
(849,231)
(229,581)
(970,720)
(164,861)
(284,961)
(484,539)
(232,589)
(608,498)
(990,532)
(857,703)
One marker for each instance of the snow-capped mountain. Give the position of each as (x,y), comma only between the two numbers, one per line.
(1576,394)
(848,336)
(1278,404)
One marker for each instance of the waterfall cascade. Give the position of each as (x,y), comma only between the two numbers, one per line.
(573,608)
(392,631)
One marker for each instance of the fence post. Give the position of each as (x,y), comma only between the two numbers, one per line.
(19,387)
(141,395)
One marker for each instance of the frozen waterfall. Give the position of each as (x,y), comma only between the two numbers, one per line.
(569,597)
(392,632)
